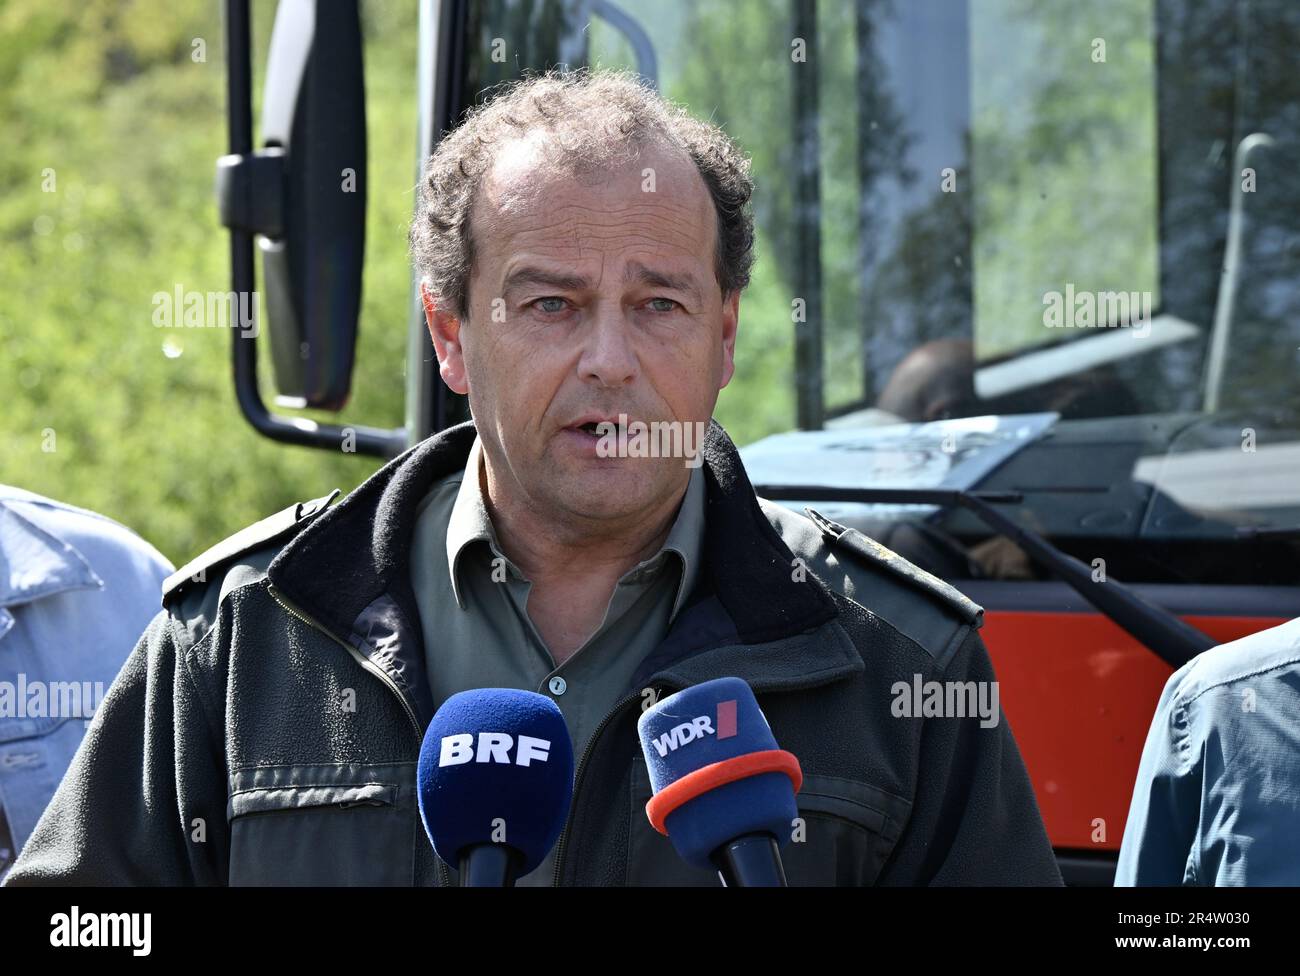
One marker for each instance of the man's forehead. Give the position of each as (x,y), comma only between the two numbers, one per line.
(656,199)
(512,181)
(536,157)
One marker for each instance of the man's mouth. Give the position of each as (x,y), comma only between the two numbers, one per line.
(597,427)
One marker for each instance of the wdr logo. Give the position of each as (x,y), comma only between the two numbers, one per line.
(698,728)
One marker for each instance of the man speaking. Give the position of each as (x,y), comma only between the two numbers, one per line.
(583,246)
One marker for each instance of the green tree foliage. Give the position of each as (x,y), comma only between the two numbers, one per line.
(108,107)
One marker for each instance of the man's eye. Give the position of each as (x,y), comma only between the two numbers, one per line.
(550,305)
(662,305)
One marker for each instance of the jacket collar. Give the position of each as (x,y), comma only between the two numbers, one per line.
(350,570)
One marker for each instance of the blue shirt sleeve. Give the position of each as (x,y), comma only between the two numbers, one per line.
(1217,799)
(1160,835)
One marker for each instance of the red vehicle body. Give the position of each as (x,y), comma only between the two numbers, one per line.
(1081,720)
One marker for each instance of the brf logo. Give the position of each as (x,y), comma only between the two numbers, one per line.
(493,747)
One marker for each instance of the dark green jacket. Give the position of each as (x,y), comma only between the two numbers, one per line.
(267,725)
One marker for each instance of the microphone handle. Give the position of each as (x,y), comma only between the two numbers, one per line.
(488,866)
(750,861)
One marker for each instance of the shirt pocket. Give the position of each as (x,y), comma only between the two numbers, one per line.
(334,824)
(845,833)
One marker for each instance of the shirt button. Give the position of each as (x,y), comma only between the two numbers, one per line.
(558,685)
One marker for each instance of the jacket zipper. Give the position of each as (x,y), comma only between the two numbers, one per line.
(577,780)
(444,877)
(361,659)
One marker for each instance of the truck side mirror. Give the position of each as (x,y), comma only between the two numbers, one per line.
(303,197)
(301,201)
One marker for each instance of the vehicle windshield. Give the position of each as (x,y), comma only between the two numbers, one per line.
(1079,219)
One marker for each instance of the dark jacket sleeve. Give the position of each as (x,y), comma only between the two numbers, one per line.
(974,818)
(143,801)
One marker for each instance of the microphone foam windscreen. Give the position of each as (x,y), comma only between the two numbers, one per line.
(713,741)
(496,766)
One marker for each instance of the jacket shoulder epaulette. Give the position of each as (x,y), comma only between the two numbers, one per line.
(270,530)
(866,549)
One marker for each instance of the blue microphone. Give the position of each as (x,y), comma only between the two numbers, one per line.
(495,780)
(723,790)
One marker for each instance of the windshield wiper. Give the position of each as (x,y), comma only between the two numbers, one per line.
(1175,641)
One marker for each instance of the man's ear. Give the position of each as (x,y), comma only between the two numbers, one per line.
(444,330)
(730,323)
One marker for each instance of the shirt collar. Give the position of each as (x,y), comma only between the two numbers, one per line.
(470,522)
(686,537)
(34,563)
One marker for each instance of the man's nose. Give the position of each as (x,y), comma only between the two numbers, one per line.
(608,354)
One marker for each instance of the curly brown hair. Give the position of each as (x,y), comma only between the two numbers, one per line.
(592,120)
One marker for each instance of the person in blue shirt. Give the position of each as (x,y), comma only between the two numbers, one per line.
(76,591)
(1217,800)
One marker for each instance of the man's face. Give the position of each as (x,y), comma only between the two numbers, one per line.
(590,297)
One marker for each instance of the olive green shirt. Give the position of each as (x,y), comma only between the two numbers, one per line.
(474,619)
